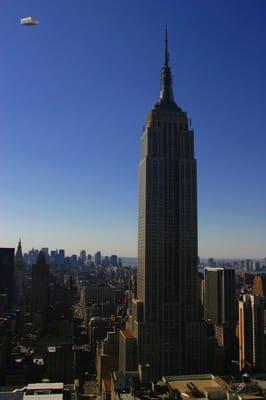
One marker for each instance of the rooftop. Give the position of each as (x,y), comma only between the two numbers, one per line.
(197,386)
(137,301)
(43,396)
(261,384)
(250,396)
(45,386)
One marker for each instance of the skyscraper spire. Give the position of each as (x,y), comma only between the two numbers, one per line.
(19,255)
(166,92)
(19,275)
(166,49)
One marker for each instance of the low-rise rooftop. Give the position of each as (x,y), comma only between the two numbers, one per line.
(45,386)
(127,334)
(197,386)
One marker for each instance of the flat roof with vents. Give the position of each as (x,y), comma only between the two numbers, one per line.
(45,385)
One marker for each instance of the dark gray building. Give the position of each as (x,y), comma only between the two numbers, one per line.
(114,260)
(219,296)
(40,291)
(98,258)
(165,316)
(82,256)
(7,272)
(19,272)
(61,257)
(220,312)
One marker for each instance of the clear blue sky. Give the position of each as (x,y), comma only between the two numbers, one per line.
(74,94)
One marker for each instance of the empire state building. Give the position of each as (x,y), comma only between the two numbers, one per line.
(165,315)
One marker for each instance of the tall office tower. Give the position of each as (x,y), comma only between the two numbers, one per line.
(251,333)
(211,262)
(45,250)
(220,311)
(53,257)
(19,271)
(7,272)
(127,352)
(98,258)
(33,255)
(165,315)
(40,291)
(114,260)
(219,296)
(106,261)
(247,265)
(255,266)
(82,256)
(61,257)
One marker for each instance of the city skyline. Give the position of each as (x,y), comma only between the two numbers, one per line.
(132,258)
(62,154)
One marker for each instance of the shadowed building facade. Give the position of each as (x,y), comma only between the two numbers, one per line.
(7,273)
(251,333)
(220,311)
(219,296)
(40,292)
(19,271)
(165,315)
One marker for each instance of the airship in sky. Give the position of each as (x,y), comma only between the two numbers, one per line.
(29,21)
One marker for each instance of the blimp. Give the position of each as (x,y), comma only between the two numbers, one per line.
(29,21)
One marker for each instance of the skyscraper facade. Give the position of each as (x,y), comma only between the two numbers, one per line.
(98,258)
(220,312)
(165,315)
(61,256)
(82,256)
(219,296)
(19,272)
(251,333)
(40,291)
(7,272)
(114,260)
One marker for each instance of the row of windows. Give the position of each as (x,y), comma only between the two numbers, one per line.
(170,144)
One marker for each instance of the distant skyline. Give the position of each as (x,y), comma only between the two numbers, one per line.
(75,91)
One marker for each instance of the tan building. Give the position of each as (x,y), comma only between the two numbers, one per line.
(259,285)
(106,389)
(210,387)
(128,352)
(193,387)
(251,332)
(107,357)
